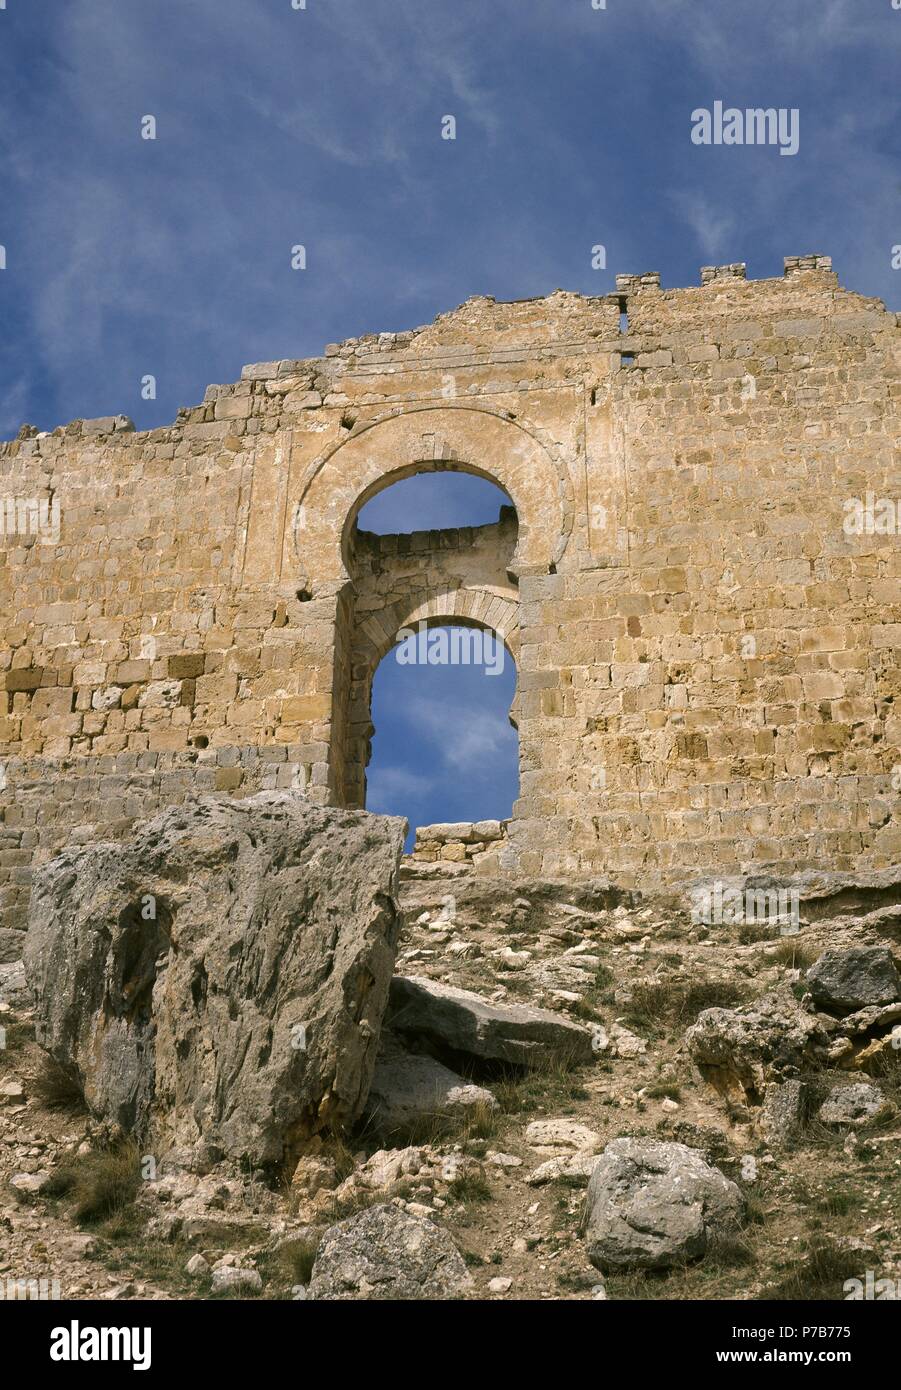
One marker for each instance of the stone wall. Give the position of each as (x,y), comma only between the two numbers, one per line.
(707,657)
(51,803)
(480,844)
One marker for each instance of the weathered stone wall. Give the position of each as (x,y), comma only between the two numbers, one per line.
(480,844)
(52,803)
(707,659)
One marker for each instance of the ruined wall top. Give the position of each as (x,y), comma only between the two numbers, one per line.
(499,330)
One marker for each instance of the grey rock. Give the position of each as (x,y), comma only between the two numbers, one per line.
(408,1088)
(465,1022)
(555,1137)
(13,984)
(625,1044)
(875,1016)
(232,1279)
(739,1050)
(12,943)
(842,982)
(651,1205)
(27,1186)
(782,1114)
(564,1168)
(217,980)
(386,1253)
(855,1105)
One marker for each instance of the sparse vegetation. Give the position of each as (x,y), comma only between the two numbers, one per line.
(470,1186)
(838,1203)
(291,1264)
(460,1126)
(730,1252)
(101,1184)
(749,933)
(657,1005)
(552,1083)
(818,1275)
(791,951)
(664,1090)
(57,1088)
(339,1151)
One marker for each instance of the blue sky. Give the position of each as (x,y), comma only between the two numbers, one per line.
(322,126)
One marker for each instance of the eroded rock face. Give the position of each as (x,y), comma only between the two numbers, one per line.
(386,1253)
(465,1022)
(651,1205)
(217,981)
(739,1050)
(842,982)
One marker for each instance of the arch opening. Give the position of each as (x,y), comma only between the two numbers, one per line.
(435,499)
(416,579)
(443,740)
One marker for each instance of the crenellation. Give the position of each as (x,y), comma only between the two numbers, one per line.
(737,271)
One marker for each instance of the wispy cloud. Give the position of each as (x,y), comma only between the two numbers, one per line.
(462,735)
(387,785)
(13,403)
(713,227)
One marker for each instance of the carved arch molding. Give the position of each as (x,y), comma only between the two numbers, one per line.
(382,451)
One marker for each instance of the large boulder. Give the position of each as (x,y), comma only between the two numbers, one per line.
(841,982)
(216,982)
(464,1022)
(740,1050)
(651,1205)
(386,1253)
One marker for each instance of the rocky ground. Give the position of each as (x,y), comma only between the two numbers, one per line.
(482,1188)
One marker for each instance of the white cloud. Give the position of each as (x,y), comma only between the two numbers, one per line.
(386,786)
(713,227)
(465,737)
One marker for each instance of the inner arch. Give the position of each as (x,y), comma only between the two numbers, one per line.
(444,747)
